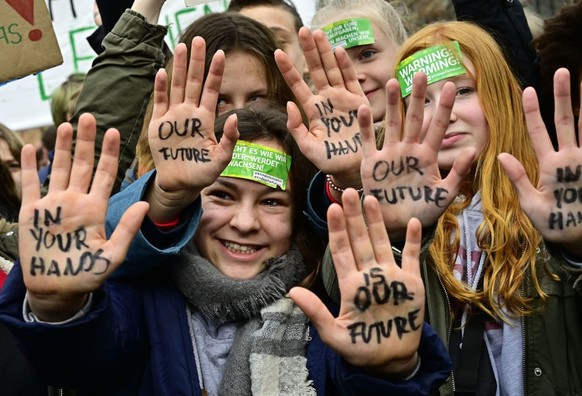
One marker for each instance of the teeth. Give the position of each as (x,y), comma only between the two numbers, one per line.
(236,248)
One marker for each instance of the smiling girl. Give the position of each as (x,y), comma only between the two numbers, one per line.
(503,264)
(224,315)
(374,59)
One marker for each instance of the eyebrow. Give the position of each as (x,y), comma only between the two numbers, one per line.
(227,183)
(461,77)
(261,92)
(265,189)
(279,29)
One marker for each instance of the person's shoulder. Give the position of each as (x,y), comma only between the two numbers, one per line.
(9,245)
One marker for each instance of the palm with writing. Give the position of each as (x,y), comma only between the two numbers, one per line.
(404,174)
(382,304)
(332,141)
(555,205)
(64,251)
(181,134)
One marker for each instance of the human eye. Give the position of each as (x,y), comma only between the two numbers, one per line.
(367,54)
(277,199)
(465,91)
(221,102)
(282,41)
(256,98)
(219,194)
(280,36)
(13,165)
(272,202)
(223,105)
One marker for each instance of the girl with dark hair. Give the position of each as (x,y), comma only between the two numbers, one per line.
(226,314)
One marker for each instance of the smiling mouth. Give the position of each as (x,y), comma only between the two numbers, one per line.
(240,249)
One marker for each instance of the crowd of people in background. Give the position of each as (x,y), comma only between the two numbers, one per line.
(387,201)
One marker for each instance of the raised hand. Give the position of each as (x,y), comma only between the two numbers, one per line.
(181,134)
(554,206)
(332,140)
(404,174)
(382,304)
(63,248)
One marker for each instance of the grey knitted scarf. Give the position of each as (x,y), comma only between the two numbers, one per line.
(268,353)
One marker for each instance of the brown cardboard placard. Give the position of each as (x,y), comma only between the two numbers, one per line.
(28,43)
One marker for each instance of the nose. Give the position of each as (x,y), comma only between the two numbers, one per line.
(453,117)
(238,103)
(245,220)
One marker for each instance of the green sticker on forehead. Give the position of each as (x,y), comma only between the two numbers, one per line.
(259,163)
(438,62)
(349,33)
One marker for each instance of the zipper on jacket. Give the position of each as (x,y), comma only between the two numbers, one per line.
(523,343)
(523,360)
(450,321)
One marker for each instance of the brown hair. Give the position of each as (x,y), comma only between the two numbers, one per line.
(228,32)
(268,123)
(558,46)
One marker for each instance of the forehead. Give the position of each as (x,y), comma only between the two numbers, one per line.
(241,183)
(271,143)
(273,17)
(242,66)
(380,37)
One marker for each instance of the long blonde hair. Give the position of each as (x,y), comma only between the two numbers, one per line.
(506,235)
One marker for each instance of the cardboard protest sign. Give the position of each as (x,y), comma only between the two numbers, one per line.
(27,40)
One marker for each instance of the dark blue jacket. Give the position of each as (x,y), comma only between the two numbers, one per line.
(136,340)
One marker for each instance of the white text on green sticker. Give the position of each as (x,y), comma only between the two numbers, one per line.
(437,62)
(349,33)
(259,163)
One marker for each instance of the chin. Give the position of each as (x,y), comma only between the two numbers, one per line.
(242,272)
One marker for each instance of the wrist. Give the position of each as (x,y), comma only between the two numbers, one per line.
(166,205)
(149,9)
(335,191)
(55,309)
(399,370)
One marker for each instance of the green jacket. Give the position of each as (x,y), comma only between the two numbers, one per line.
(9,243)
(118,86)
(553,338)
(552,361)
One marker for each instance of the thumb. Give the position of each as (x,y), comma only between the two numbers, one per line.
(125,231)
(315,310)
